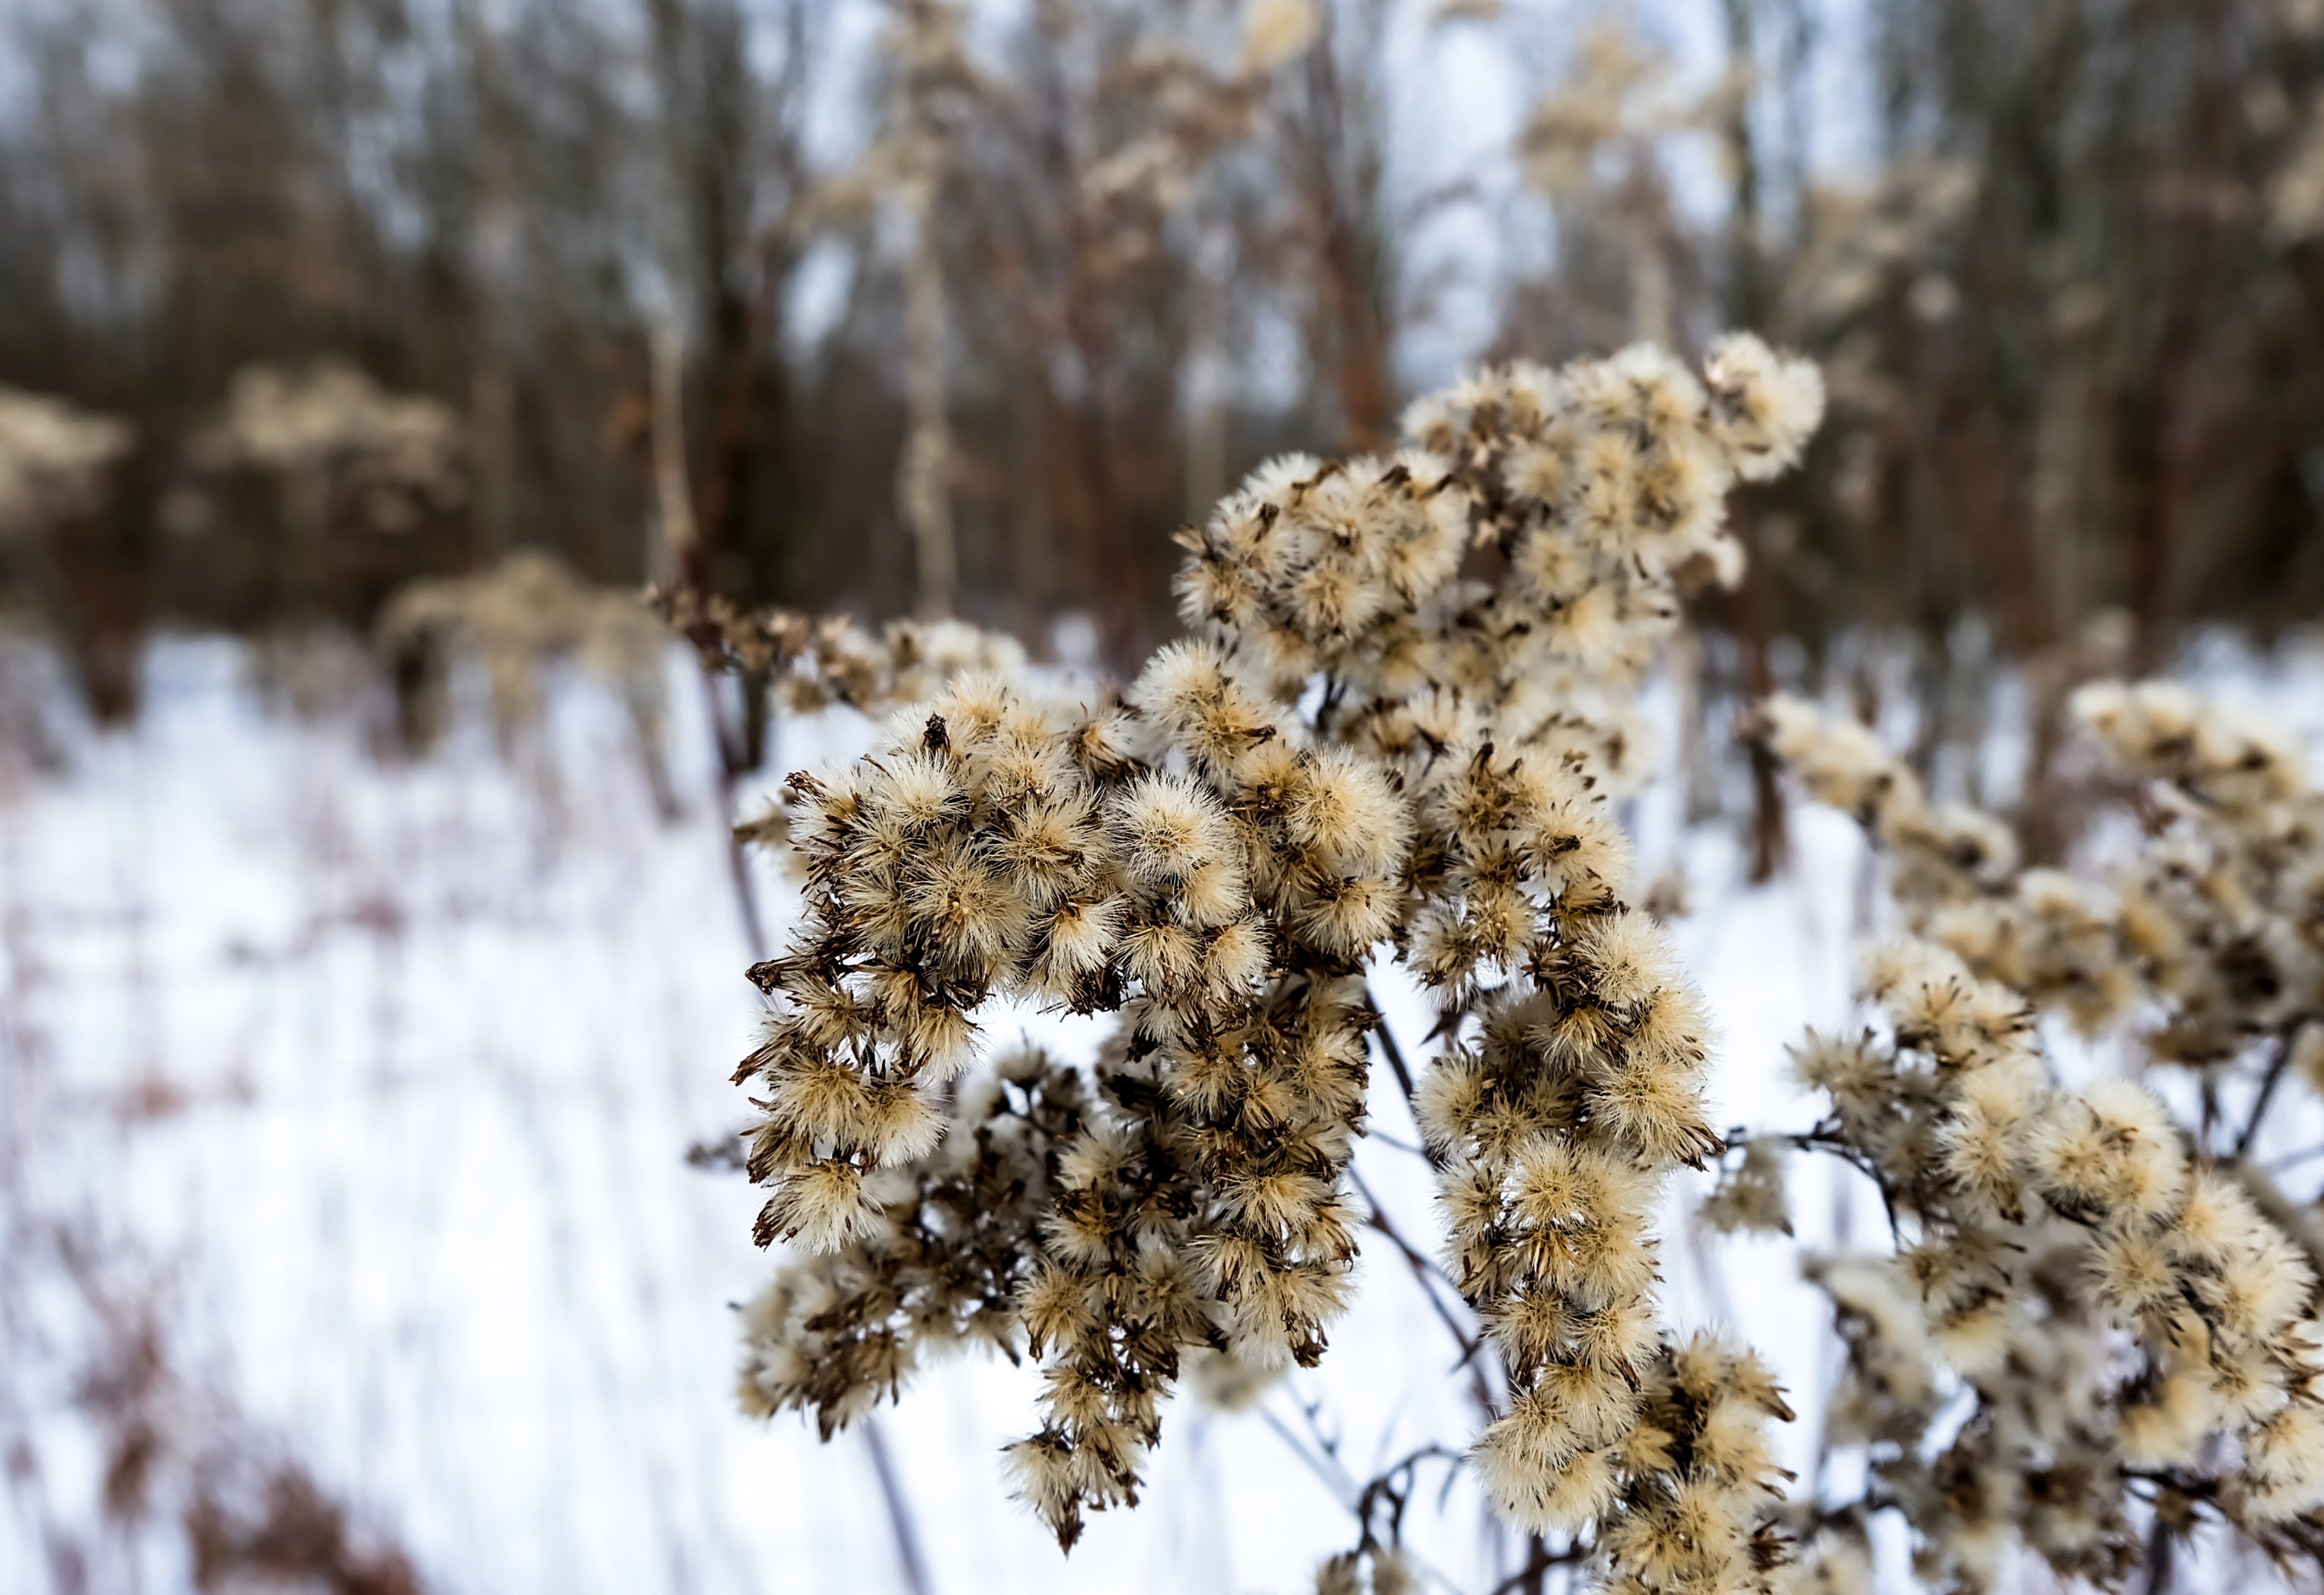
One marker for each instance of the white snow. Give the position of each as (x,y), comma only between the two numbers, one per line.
(376,1076)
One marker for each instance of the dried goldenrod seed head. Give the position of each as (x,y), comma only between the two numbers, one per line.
(2118,1292)
(1397,729)
(1749,1195)
(1171,831)
(1766,406)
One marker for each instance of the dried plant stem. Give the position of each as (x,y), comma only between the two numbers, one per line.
(2287,1039)
(924,479)
(900,1510)
(673,503)
(1430,1276)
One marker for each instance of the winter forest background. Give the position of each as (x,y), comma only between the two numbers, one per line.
(372,933)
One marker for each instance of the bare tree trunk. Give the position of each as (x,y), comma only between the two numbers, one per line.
(1754,602)
(1203,383)
(739,384)
(491,266)
(1769,839)
(924,476)
(2162,439)
(1358,337)
(680,555)
(1650,278)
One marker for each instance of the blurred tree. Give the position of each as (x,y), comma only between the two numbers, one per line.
(1045,278)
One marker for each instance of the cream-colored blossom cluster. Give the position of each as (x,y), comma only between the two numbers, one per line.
(53,457)
(1750,1195)
(2119,1309)
(1395,728)
(1619,102)
(836,1331)
(1187,865)
(1508,576)
(1947,1115)
(1940,852)
(1378,1570)
(386,458)
(1557,1120)
(2222,915)
(2216,924)
(1861,236)
(2128,1301)
(1699,1477)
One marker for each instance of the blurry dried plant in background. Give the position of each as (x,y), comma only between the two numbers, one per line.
(1091,258)
(1598,144)
(53,457)
(520,620)
(60,469)
(809,664)
(361,280)
(1057,204)
(2123,1295)
(340,445)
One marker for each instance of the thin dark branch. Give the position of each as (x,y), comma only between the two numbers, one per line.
(1822,1139)
(1426,1270)
(900,1524)
(2285,1041)
(2158,1557)
(1398,1143)
(1327,1444)
(2293,1159)
(1388,1048)
(1328,1472)
(903,1526)
(1539,1563)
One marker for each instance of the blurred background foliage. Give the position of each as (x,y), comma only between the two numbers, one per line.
(948,308)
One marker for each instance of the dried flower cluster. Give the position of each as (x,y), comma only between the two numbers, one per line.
(1557,1119)
(1861,238)
(1616,96)
(959,139)
(1176,98)
(1396,726)
(998,845)
(842,1326)
(520,620)
(814,663)
(387,459)
(2129,1302)
(52,461)
(1508,577)
(2211,935)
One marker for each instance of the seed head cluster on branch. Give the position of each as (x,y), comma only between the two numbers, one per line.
(2113,1314)
(1394,729)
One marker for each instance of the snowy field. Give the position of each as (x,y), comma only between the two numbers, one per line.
(366,1085)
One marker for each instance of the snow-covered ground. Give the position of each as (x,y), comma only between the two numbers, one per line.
(375,1079)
